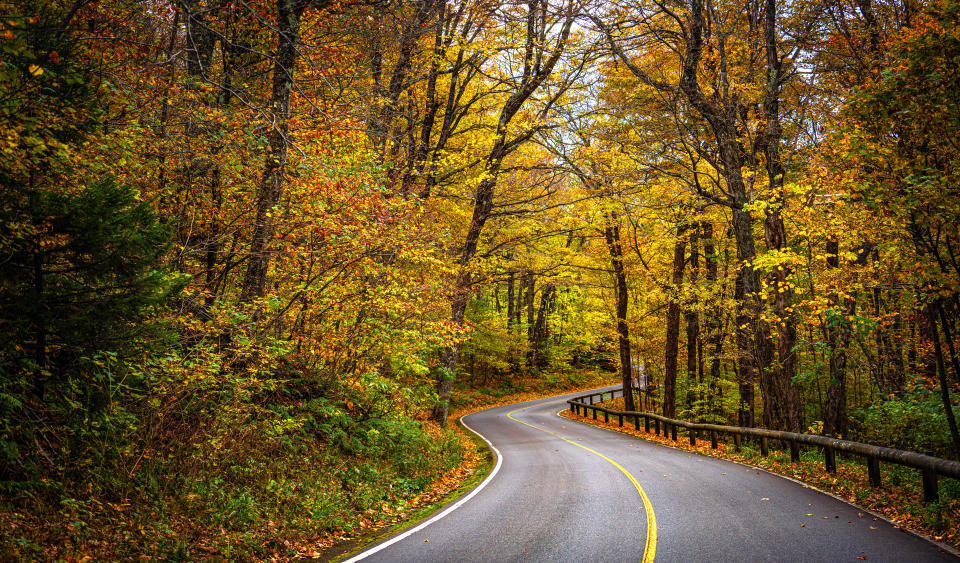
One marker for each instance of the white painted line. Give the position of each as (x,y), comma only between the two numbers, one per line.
(451,508)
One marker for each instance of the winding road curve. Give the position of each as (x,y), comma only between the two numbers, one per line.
(566,491)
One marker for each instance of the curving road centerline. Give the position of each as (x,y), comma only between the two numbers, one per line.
(650,547)
(558,493)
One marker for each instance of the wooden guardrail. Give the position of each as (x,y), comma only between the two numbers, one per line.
(929,466)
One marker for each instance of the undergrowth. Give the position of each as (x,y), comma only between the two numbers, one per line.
(239,484)
(283,478)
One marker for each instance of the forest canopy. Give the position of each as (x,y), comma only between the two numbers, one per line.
(254,254)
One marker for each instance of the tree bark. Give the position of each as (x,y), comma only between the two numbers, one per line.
(615,249)
(692,318)
(270,190)
(781,401)
(838,336)
(942,376)
(671,348)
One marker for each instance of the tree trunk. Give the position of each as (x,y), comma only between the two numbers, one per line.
(781,400)
(753,348)
(838,336)
(692,318)
(942,376)
(530,296)
(540,328)
(483,203)
(948,337)
(673,328)
(714,323)
(270,189)
(510,311)
(615,248)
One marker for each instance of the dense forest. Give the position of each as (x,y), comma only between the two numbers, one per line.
(254,254)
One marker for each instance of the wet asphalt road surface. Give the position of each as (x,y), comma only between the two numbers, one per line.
(559,495)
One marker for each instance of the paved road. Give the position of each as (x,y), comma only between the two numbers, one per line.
(565,491)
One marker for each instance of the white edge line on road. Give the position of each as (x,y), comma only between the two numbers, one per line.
(448,510)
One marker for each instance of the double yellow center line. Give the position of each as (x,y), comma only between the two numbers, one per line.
(650,547)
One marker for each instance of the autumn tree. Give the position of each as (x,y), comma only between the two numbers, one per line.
(544,29)
(713,86)
(908,151)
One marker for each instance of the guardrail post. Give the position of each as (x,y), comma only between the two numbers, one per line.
(873,470)
(873,454)
(830,459)
(930,491)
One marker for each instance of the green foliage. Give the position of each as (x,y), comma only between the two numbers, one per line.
(90,276)
(704,404)
(81,265)
(913,420)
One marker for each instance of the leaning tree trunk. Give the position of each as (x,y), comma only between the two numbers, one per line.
(942,376)
(538,66)
(461,294)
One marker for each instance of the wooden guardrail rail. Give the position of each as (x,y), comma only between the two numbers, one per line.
(929,466)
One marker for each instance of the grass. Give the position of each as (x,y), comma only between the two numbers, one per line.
(899,498)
